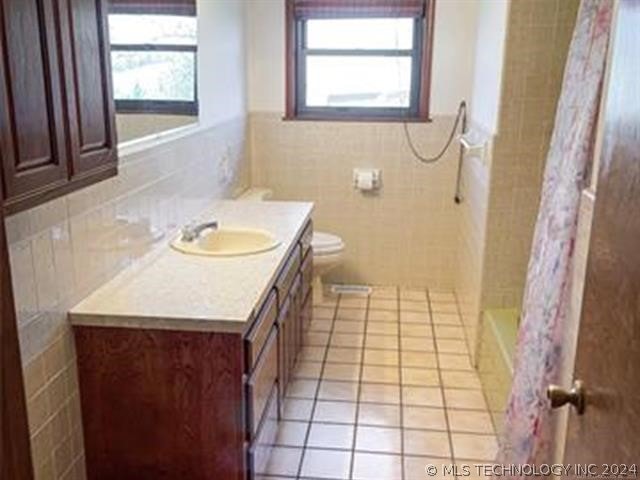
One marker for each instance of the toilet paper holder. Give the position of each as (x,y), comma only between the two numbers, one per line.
(366,179)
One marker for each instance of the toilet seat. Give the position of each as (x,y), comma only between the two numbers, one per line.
(326,244)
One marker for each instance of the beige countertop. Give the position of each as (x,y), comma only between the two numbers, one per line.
(174,291)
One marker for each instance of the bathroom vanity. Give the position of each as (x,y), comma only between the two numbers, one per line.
(183,362)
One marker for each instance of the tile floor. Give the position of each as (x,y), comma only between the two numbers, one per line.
(383,387)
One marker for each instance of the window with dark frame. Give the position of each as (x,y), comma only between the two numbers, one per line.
(359,60)
(154,56)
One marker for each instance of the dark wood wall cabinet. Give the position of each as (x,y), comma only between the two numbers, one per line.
(193,405)
(57,116)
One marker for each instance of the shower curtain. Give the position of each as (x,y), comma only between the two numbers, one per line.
(528,429)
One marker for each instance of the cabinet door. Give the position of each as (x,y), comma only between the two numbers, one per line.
(87,68)
(32,137)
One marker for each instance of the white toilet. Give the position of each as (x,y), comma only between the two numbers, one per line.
(328,249)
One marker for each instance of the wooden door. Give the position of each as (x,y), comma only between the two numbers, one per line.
(32,138)
(608,354)
(87,67)
(15,455)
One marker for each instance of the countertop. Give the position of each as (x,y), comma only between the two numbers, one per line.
(174,291)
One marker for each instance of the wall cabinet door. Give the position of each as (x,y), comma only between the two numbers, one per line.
(56,107)
(32,136)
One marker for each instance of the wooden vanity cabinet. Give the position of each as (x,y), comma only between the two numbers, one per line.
(159,404)
(57,116)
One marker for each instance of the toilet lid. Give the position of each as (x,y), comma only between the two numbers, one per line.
(326,243)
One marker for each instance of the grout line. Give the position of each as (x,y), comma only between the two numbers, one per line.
(401,411)
(359,389)
(444,399)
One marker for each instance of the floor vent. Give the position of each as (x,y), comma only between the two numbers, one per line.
(355,290)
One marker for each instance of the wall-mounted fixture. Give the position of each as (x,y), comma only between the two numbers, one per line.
(367,179)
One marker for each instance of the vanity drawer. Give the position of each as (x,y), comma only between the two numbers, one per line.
(259,333)
(288,275)
(261,382)
(306,237)
(260,450)
(307,273)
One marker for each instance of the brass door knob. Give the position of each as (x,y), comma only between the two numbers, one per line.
(560,397)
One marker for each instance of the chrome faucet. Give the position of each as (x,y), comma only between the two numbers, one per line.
(191,233)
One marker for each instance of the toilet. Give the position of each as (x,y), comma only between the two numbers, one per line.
(328,249)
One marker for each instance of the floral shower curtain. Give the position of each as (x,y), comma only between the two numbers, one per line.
(528,430)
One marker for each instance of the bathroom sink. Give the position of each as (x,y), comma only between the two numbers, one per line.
(228,242)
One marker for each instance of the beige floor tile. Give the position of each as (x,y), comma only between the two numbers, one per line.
(456,379)
(449,331)
(354,302)
(308,370)
(452,346)
(415,467)
(379,374)
(425,442)
(422,396)
(284,461)
(353,314)
(312,354)
(291,434)
(379,415)
(415,317)
(315,339)
(349,340)
(379,393)
(326,464)
(424,418)
(323,313)
(416,330)
(414,294)
(470,421)
(368,466)
(341,371)
(320,325)
(445,319)
(344,355)
(302,388)
(336,412)
(332,390)
(379,439)
(442,297)
(383,304)
(297,409)
(348,326)
(325,435)
(389,358)
(419,359)
(384,342)
(328,301)
(420,377)
(450,361)
(388,292)
(473,446)
(382,328)
(444,307)
(383,316)
(464,398)
(409,306)
(417,344)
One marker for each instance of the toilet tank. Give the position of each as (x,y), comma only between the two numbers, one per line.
(256,194)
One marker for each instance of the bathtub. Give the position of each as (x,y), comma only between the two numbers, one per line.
(495,359)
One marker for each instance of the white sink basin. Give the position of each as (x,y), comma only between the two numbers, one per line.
(228,242)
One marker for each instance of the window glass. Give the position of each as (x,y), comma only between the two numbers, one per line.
(152,30)
(355,81)
(360,34)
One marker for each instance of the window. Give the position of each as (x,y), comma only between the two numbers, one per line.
(358,60)
(154,57)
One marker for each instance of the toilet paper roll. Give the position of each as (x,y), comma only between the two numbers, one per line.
(364,181)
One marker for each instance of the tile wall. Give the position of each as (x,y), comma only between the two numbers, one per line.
(66,248)
(404,234)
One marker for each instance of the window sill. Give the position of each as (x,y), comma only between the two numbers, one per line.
(354,119)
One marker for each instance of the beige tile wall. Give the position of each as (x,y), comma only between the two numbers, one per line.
(404,234)
(66,248)
(538,37)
